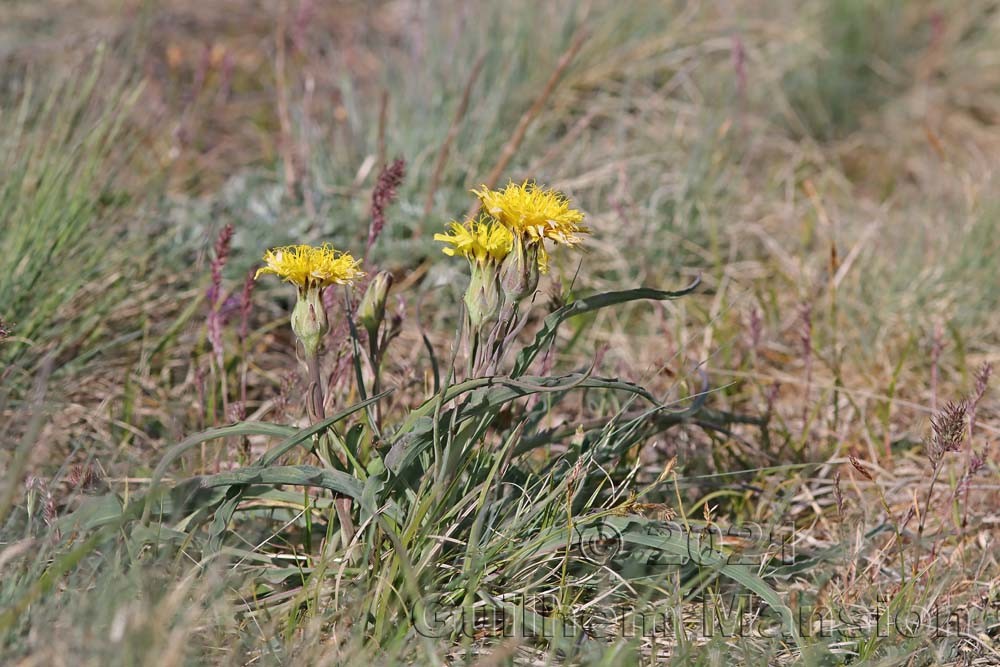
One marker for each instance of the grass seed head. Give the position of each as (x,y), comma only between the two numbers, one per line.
(948,428)
(383,195)
(860,468)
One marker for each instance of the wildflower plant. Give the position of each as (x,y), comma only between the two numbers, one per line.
(409,508)
(506,252)
(485,243)
(312,270)
(535,214)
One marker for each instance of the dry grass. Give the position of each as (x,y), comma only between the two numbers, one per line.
(832,177)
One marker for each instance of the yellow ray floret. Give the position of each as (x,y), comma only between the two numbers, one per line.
(308,266)
(477,240)
(535,213)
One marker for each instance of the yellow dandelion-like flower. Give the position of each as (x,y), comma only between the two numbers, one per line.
(308,267)
(478,241)
(535,213)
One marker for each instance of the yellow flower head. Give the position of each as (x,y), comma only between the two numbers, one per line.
(534,213)
(479,241)
(307,266)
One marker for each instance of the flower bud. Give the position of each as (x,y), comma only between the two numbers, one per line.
(309,320)
(519,271)
(482,299)
(371,311)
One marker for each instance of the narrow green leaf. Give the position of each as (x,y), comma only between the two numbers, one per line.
(332,480)
(595,302)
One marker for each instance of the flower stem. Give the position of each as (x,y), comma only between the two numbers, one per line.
(471,363)
(317,413)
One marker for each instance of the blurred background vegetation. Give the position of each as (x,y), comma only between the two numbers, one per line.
(828,168)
